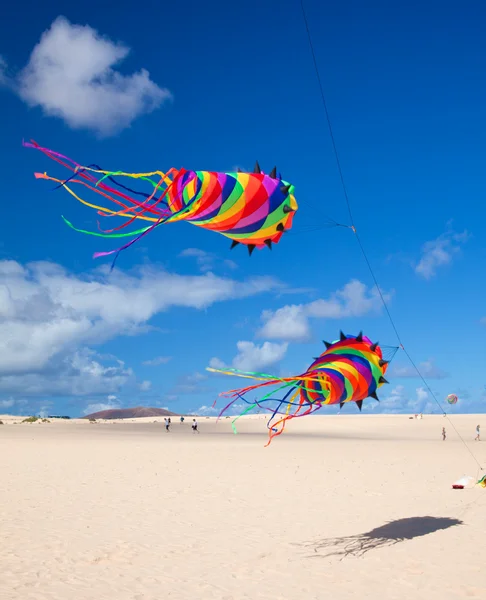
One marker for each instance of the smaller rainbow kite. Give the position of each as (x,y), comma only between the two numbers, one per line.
(253,209)
(349,370)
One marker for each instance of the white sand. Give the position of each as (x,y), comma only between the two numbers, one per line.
(126,511)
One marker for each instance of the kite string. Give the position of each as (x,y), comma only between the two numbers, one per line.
(353,227)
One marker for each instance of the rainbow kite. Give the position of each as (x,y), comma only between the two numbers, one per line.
(349,370)
(253,209)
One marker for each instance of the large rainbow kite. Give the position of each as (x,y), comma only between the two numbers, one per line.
(253,209)
(349,370)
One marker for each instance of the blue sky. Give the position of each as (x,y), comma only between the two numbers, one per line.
(211,86)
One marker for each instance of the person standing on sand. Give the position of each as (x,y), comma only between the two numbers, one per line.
(167,424)
(443,434)
(478,431)
(182,419)
(194,426)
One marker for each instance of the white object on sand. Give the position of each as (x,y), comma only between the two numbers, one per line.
(464,481)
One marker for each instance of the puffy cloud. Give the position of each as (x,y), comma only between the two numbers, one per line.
(145,386)
(427,368)
(399,401)
(71,74)
(78,373)
(440,252)
(251,357)
(49,316)
(292,322)
(422,395)
(99,406)
(217,363)
(157,361)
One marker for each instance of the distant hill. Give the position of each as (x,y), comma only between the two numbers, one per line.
(130,413)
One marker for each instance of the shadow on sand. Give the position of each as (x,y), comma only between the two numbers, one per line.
(390,534)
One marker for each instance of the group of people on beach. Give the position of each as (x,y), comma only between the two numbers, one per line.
(476,439)
(168,423)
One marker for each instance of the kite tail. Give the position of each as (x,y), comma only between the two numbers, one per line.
(155,208)
(292,399)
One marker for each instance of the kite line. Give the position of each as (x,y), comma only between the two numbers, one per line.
(360,244)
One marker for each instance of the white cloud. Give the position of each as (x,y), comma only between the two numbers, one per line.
(217,363)
(157,361)
(440,252)
(291,322)
(205,411)
(77,373)
(206,261)
(99,406)
(427,368)
(112,398)
(48,316)
(399,401)
(145,386)
(7,403)
(71,75)
(422,395)
(252,357)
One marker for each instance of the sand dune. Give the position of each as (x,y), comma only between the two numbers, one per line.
(337,507)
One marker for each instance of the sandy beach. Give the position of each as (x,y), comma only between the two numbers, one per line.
(337,507)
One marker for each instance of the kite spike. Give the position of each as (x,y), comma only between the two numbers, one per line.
(268,244)
(279,176)
(238,170)
(251,247)
(359,337)
(374,346)
(383,380)
(382,362)
(273,173)
(288,209)
(359,404)
(341,404)
(280,227)
(285,189)
(257,168)
(234,244)
(327,344)
(373,395)
(342,336)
